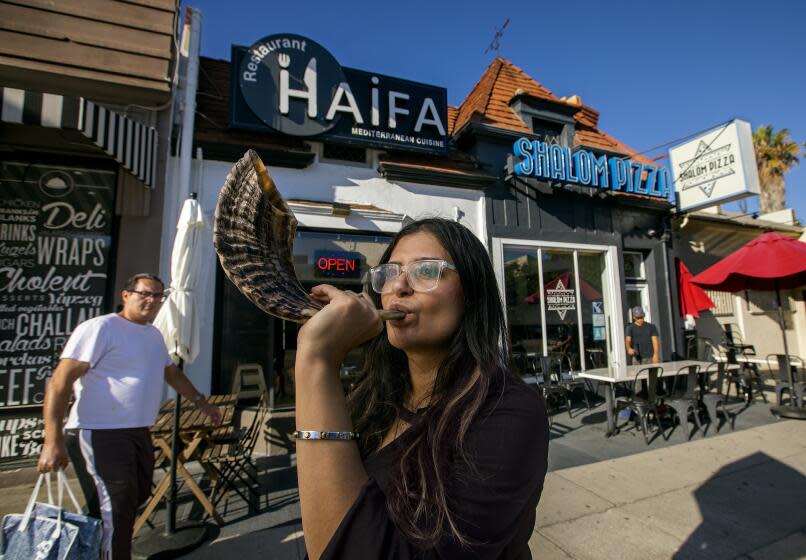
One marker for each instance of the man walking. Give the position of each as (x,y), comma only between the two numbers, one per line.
(642,339)
(116,365)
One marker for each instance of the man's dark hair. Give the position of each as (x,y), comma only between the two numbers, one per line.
(132,281)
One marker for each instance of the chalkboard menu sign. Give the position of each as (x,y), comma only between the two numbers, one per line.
(55,239)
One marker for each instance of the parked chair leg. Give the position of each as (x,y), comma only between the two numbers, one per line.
(779,396)
(585,394)
(645,425)
(729,417)
(696,413)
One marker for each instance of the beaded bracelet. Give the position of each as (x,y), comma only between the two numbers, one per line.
(313,434)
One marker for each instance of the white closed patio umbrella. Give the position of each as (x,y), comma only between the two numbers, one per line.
(178,322)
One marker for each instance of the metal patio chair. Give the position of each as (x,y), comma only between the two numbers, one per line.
(711,393)
(645,403)
(555,394)
(231,459)
(777,362)
(744,377)
(683,399)
(566,379)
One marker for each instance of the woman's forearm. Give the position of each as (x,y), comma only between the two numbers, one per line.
(330,473)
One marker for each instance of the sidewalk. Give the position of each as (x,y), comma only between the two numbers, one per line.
(735,495)
(738,495)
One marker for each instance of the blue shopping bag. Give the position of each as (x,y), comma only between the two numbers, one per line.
(48,532)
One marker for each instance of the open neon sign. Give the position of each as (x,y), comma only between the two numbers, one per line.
(337,264)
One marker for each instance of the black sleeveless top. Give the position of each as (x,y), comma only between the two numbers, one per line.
(508,444)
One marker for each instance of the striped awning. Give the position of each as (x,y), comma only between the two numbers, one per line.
(132,144)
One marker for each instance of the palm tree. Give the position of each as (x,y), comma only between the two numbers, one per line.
(776,154)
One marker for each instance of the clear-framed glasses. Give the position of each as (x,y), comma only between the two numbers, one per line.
(422,276)
(159,296)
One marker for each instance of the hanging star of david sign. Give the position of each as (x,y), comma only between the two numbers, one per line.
(560,299)
(708,166)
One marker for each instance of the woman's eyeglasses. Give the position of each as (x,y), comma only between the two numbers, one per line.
(159,296)
(422,276)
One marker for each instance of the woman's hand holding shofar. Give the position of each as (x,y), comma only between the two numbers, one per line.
(346,321)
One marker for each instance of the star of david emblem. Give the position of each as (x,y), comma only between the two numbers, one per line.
(706,188)
(560,299)
(706,168)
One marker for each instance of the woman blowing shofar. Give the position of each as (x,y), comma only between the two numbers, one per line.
(452,450)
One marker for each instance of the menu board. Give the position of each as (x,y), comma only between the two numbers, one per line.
(55,241)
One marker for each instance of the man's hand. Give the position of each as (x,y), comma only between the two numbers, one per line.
(630,351)
(212,411)
(53,457)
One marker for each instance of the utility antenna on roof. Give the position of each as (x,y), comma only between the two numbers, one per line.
(495,45)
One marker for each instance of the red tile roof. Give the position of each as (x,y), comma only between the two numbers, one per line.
(453,112)
(489,103)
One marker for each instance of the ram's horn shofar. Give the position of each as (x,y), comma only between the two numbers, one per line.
(253,234)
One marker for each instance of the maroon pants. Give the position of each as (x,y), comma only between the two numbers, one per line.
(115,470)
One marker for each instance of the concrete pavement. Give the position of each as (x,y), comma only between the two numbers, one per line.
(737,494)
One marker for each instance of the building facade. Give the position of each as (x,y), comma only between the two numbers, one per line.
(703,238)
(86,94)
(574,248)
(571,256)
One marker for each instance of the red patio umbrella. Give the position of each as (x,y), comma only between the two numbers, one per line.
(769,262)
(693,299)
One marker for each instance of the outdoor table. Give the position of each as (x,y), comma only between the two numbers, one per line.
(194,428)
(218,400)
(626,374)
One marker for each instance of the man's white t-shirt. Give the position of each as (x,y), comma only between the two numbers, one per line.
(123,387)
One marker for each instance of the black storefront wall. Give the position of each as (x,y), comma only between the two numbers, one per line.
(56,231)
(246,335)
(536,211)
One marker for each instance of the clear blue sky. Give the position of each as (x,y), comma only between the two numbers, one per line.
(656,71)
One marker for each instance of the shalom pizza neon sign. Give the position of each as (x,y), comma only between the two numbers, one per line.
(552,162)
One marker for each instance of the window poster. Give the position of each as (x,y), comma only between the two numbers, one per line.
(55,241)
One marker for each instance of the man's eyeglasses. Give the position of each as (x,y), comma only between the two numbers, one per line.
(422,276)
(159,296)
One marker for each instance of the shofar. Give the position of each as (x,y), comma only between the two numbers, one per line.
(253,234)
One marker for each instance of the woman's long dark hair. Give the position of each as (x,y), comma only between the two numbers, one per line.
(473,367)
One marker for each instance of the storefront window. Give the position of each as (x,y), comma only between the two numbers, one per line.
(636,287)
(55,243)
(250,336)
(634,266)
(522,285)
(558,306)
(562,305)
(592,284)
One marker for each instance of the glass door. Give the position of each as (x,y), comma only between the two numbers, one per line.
(595,308)
(560,302)
(524,312)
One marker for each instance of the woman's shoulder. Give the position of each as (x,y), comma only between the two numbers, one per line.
(511,432)
(513,405)
(511,393)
